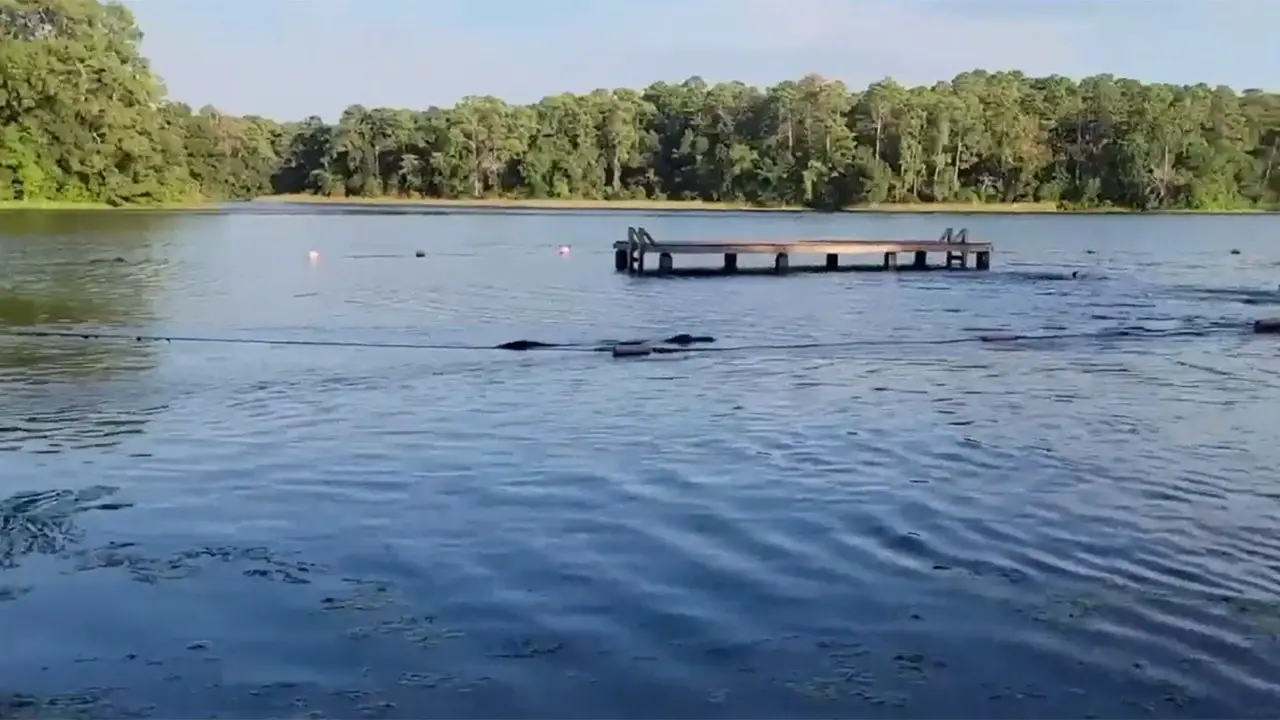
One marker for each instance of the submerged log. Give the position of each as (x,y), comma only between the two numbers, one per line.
(1267,326)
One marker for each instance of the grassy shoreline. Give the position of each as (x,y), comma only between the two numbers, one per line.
(919,208)
(66,205)
(663,205)
(616,205)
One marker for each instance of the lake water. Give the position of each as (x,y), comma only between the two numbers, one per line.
(902,521)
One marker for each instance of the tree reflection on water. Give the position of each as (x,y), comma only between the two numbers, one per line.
(70,270)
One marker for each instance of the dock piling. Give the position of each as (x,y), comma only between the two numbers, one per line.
(953,245)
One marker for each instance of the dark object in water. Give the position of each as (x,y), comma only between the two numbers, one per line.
(1235,251)
(632,349)
(1075,274)
(419,253)
(687,339)
(1267,326)
(523,345)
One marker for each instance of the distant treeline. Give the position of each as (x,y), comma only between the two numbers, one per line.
(83,118)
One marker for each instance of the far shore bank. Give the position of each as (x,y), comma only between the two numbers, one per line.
(920,208)
(658,205)
(572,205)
(65,205)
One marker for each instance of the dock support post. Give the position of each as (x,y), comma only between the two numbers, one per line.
(833,261)
(731,262)
(921,260)
(891,261)
(781,263)
(983,260)
(620,260)
(665,263)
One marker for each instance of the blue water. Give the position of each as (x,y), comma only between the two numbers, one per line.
(1080,524)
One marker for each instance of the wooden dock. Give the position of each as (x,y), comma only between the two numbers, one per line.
(630,255)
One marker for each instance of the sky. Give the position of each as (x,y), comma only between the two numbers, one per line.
(288,59)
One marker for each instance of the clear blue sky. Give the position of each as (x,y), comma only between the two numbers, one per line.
(287,59)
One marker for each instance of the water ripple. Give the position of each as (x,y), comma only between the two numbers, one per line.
(1073,526)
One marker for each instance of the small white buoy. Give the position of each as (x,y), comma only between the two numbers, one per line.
(313,256)
(632,349)
(563,250)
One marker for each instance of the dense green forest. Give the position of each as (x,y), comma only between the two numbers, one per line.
(84,118)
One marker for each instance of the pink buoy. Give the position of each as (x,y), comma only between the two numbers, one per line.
(563,250)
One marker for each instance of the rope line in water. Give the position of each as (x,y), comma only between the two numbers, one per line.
(682,343)
(974,339)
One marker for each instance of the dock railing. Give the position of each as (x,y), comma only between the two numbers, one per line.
(638,241)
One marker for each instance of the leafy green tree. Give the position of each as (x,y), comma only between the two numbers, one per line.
(83,118)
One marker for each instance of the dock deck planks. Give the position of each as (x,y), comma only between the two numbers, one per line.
(955,246)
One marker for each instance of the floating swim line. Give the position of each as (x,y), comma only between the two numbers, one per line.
(681,343)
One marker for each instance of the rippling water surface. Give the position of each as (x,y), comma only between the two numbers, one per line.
(1081,524)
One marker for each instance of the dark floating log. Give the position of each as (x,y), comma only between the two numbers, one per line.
(1267,326)
(687,339)
(523,345)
